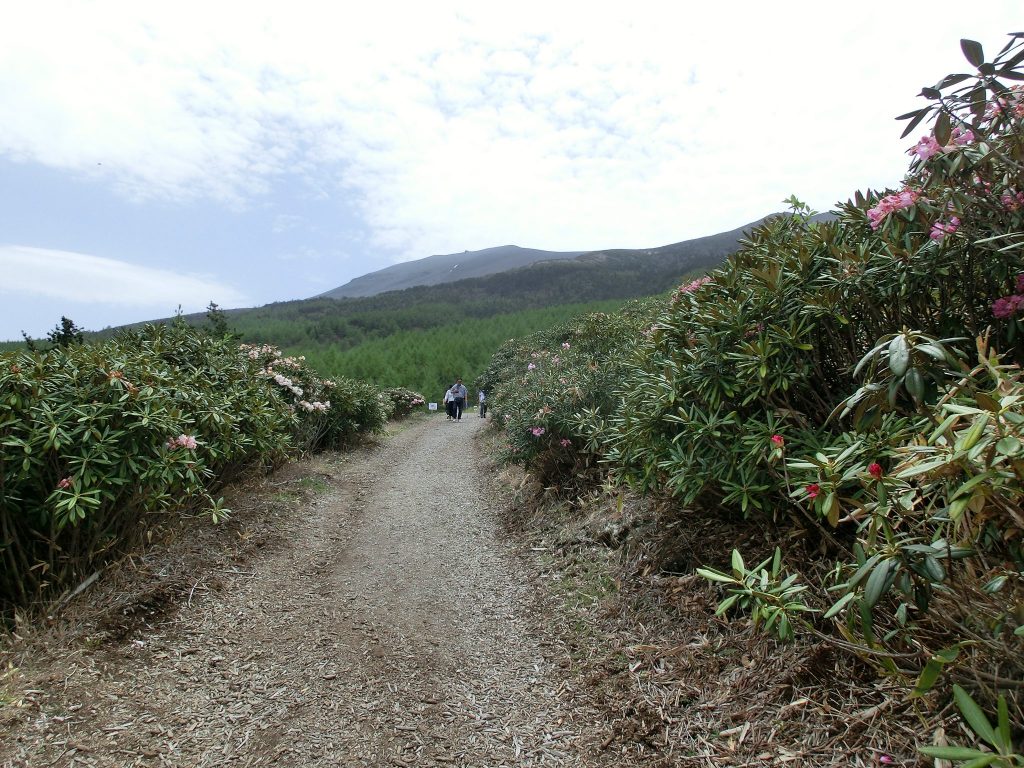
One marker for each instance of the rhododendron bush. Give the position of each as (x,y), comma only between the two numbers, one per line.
(96,439)
(402,402)
(861,378)
(552,390)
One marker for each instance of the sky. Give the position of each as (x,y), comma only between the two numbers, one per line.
(164,155)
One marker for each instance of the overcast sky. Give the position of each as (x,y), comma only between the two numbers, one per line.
(163,154)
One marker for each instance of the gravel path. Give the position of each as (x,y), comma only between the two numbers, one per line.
(390,624)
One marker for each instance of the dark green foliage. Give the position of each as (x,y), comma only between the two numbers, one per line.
(429,360)
(216,321)
(64,334)
(858,380)
(97,441)
(553,390)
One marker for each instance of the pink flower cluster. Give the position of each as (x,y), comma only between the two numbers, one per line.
(1014,104)
(565,442)
(182,441)
(890,203)
(64,483)
(315,406)
(537,431)
(530,367)
(1008,306)
(1011,201)
(778,441)
(928,146)
(565,345)
(256,352)
(942,228)
(287,383)
(682,290)
(875,470)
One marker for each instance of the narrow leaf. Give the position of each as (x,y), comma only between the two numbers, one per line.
(876,582)
(839,604)
(913,123)
(973,715)
(943,129)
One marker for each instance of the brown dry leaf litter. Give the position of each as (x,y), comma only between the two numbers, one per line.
(361,609)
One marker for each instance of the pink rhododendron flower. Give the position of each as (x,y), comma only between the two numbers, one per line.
(690,287)
(928,147)
(565,442)
(962,137)
(565,345)
(875,470)
(925,148)
(813,490)
(530,367)
(182,441)
(1007,306)
(890,203)
(64,483)
(1012,201)
(941,229)
(777,439)
(537,431)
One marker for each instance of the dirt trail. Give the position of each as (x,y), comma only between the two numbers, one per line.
(388,624)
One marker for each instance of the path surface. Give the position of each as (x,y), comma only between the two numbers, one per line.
(390,625)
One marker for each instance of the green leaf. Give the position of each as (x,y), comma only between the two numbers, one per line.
(979,102)
(726,604)
(914,383)
(975,432)
(973,715)
(973,52)
(927,678)
(711,575)
(1003,733)
(917,116)
(864,570)
(952,753)
(994,585)
(941,429)
(737,563)
(932,670)
(899,355)
(877,582)
(942,129)
(840,604)
(1008,445)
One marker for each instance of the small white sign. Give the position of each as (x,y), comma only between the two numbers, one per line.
(431,406)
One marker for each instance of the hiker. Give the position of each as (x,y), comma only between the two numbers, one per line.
(449,403)
(483,404)
(459,392)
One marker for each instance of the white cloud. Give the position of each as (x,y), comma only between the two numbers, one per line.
(460,125)
(59,279)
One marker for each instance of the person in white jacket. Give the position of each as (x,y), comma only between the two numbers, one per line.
(449,403)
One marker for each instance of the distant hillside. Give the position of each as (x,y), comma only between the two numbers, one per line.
(437,269)
(344,335)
